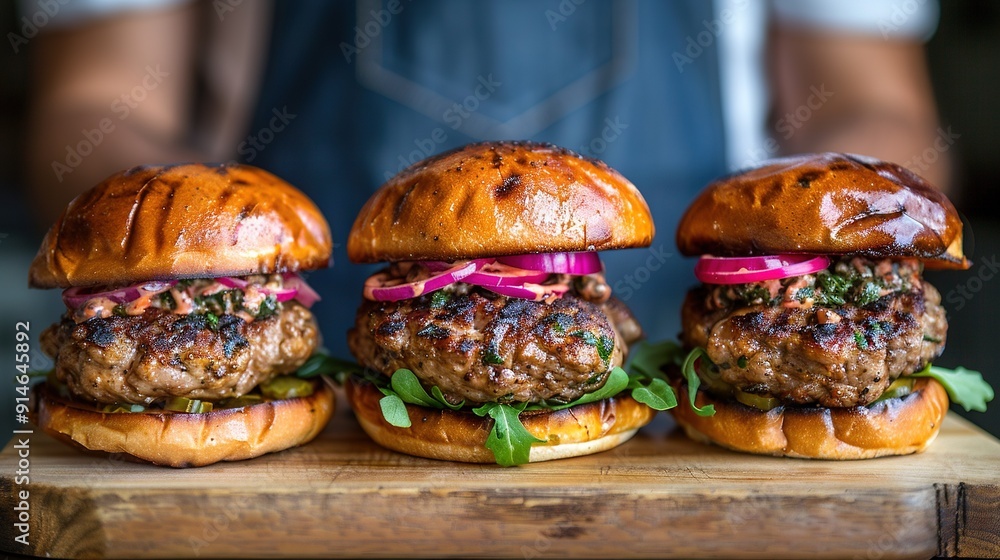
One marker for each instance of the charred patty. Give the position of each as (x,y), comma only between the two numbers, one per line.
(479,346)
(158,354)
(835,339)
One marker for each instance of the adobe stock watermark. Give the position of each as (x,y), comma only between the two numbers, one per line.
(32,24)
(563,11)
(963,293)
(122,106)
(900,14)
(453,116)
(894,539)
(256,142)
(789,124)
(364,32)
(627,287)
(943,141)
(696,45)
(225,7)
(612,131)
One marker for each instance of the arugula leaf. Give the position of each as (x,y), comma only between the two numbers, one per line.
(320,363)
(509,440)
(965,386)
(407,386)
(437,394)
(394,410)
(658,395)
(648,359)
(694,381)
(617,382)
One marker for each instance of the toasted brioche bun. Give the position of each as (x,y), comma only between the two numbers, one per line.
(461,436)
(187,440)
(824,204)
(500,198)
(897,426)
(182,221)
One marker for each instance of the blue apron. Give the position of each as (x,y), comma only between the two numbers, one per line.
(364,89)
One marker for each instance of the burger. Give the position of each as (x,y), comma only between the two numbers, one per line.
(186,320)
(813,330)
(491,334)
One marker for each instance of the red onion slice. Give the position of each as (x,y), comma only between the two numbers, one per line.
(499,274)
(743,270)
(232,282)
(533,292)
(586,262)
(382,287)
(301,291)
(76,297)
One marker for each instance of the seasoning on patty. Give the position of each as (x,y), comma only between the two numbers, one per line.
(492,336)
(184,317)
(813,331)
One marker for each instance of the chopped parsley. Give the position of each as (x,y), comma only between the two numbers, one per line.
(860,341)
(439,299)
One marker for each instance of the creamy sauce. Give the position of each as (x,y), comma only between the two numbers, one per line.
(183,297)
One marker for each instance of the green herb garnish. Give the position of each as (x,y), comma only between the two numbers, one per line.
(965,386)
(693,381)
(509,440)
(491,355)
(439,299)
(405,388)
(605,346)
(658,395)
(586,336)
(869,293)
(860,341)
(433,331)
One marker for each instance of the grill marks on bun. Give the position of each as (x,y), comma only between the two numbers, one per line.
(500,198)
(824,204)
(183,220)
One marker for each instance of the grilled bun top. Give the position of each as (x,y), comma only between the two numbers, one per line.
(500,198)
(825,204)
(182,221)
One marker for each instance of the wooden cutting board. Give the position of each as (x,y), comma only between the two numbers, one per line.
(660,495)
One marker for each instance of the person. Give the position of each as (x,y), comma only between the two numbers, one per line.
(336,97)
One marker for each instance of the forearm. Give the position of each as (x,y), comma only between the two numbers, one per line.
(858,94)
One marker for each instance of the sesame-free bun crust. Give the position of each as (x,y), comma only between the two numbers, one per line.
(461,436)
(500,198)
(898,426)
(182,221)
(824,204)
(187,440)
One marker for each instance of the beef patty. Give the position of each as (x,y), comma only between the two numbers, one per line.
(478,346)
(157,355)
(838,357)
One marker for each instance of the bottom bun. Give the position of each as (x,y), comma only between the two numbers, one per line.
(187,440)
(461,436)
(897,426)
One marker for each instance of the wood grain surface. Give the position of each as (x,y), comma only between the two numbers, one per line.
(660,495)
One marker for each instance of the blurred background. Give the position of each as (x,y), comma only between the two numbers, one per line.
(369,118)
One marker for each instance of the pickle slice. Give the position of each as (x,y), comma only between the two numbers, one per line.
(192,406)
(123,407)
(286,387)
(899,388)
(760,402)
